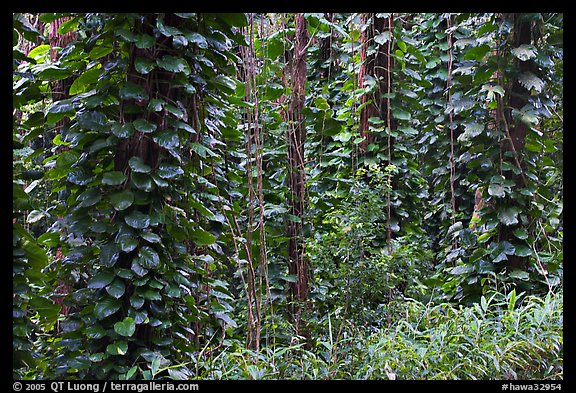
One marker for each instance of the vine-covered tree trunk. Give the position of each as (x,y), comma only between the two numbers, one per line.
(297,181)
(515,130)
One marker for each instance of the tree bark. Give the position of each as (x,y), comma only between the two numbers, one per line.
(515,131)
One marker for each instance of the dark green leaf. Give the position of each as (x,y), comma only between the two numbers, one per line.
(173,64)
(89,197)
(125,328)
(137,164)
(168,139)
(144,126)
(101,279)
(148,258)
(145,41)
(508,216)
(202,238)
(133,91)
(122,200)
(137,219)
(168,171)
(117,348)
(116,289)
(109,254)
(142,181)
(106,307)
(519,274)
(113,178)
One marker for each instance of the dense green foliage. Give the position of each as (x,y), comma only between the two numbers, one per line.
(151,196)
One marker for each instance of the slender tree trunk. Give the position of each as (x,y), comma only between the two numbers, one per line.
(515,131)
(297,182)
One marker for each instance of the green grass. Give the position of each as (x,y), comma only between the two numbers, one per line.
(499,338)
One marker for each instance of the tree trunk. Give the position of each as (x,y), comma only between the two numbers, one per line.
(516,130)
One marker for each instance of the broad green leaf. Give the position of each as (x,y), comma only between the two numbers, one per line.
(496,189)
(520,233)
(137,219)
(401,114)
(101,279)
(523,251)
(382,38)
(233,19)
(109,254)
(202,150)
(113,178)
(95,331)
(54,73)
(519,274)
(122,200)
(100,51)
(531,81)
(39,51)
(143,125)
(142,181)
(89,197)
(145,41)
(137,164)
(202,238)
(174,64)
(116,289)
(36,256)
(144,65)
(477,52)
(226,82)
(151,294)
(462,269)
(46,309)
(226,318)
(150,237)
(86,81)
(508,216)
(106,307)
(137,301)
(525,52)
(168,171)
(80,176)
(127,243)
(117,348)
(122,131)
(125,328)
(35,216)
(133,91)
(148,258)
(168,139)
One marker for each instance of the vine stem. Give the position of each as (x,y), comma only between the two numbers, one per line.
(451,117)
(389,124)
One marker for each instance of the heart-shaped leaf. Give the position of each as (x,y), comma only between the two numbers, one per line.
(144,125)
(137,219)
(113,178)
(125,328)
(116,289)
(101,279)
(148,258)
(106,307)
(508,216)
(137,164)
(109,254)
(122,200)
(117,348)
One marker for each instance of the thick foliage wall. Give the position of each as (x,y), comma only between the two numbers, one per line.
(152,195)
